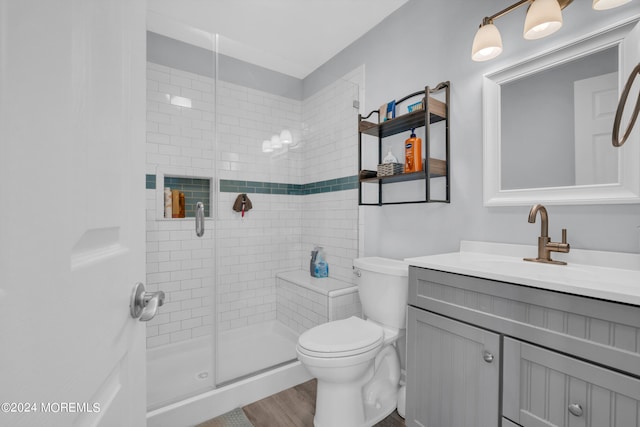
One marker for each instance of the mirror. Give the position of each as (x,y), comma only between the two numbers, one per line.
(548,122)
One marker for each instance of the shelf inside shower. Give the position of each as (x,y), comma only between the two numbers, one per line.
(194,189)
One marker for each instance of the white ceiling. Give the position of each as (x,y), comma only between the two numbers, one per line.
(293,37)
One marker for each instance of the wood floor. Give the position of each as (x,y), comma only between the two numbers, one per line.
(295,407)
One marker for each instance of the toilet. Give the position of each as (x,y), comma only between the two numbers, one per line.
(356,361)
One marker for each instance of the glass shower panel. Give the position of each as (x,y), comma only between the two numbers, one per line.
(180,162)
(273,158)
(259,172)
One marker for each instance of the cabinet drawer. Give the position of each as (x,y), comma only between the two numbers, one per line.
(603,332)
(543,388)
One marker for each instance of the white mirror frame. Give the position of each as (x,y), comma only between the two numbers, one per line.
(627,189)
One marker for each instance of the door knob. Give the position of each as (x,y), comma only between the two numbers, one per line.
(144,305)
(487,356)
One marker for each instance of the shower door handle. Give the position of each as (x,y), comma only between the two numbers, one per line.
(144,305)
(199,219)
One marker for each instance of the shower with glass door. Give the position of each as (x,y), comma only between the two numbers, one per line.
(222,130)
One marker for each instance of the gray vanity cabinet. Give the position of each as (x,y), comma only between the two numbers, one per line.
(556,360)
(455,372)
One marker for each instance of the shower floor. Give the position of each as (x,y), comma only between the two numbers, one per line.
(181,370)
(250,349)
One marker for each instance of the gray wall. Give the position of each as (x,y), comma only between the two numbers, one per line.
(426,42)
(186,57)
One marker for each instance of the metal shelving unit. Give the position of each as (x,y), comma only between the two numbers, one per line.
(434,111)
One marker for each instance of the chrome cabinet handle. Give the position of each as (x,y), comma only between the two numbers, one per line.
(199,219)
(144,305)
(575,409)
(487,356)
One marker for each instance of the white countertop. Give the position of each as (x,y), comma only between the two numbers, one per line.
(610,276)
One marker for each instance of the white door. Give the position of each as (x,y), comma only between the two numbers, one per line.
(71,212)
(595,101)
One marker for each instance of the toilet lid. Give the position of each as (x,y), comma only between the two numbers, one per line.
(341,338)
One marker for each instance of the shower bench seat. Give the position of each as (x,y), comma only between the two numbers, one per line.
(303,302)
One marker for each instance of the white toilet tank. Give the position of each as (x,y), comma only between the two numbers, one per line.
(383,285)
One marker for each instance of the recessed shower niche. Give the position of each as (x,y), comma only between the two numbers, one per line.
(194,188)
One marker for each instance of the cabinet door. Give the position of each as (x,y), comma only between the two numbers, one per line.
(452,373)
(543,388)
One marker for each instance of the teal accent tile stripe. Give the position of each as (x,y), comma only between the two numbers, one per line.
(331,185)
(328,186)
(199,188)
(151,182)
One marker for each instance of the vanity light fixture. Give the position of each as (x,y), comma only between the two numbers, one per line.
(608,4)
(544,17)
(487,44)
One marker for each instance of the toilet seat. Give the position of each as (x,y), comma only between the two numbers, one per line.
(341,338)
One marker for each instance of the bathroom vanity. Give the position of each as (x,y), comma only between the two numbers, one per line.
(496,341)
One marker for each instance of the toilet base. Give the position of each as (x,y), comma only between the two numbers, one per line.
(375,415)
(362,400)
(339,407)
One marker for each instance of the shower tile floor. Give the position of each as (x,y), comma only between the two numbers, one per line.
(244,351)
(178,371)
(185,369)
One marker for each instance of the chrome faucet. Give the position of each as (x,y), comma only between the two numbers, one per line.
(545,245)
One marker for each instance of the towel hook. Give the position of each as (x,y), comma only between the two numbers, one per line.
(242,204)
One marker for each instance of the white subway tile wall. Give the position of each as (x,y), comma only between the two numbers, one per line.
(279,232)
(178,136)
(331,151)
(246,118)
(330,126)
(301,308)
(179,263)
(344,306)
(253,250)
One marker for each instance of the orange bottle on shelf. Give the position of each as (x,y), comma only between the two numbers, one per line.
(413,153)
(175,203)
(183,206)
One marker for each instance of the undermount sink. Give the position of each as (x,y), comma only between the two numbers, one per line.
(605,275)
